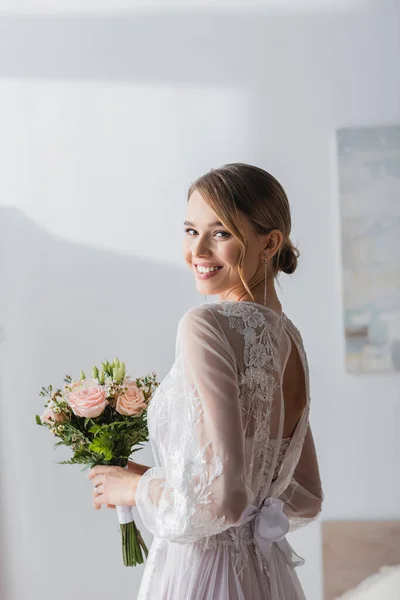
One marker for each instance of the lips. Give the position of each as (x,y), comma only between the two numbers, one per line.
(206,272)
(207,268)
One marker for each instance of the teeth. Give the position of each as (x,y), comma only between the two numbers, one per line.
(207,269)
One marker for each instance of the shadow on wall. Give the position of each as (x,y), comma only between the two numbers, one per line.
(66,307)
(267,58)
(249,52)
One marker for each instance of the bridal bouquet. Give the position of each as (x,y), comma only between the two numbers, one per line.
(103,420)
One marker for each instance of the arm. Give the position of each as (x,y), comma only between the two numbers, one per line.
(200,489)
(304,496)
(137,468)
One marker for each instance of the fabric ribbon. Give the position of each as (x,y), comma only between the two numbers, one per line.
(270,525)
(125,514)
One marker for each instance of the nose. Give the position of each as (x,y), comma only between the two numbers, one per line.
(201,248)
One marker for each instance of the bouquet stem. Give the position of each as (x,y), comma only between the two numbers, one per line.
(132,545)
(132,541)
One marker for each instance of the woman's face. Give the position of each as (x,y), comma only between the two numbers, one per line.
(213,253)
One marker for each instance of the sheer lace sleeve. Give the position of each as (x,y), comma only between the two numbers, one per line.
(303,497)
(199,490)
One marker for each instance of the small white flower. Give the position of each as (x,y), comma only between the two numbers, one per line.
(258,355)
(252,317)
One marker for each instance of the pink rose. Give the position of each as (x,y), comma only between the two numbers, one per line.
(132,403)
(49,416)
(80,383)
(87,398)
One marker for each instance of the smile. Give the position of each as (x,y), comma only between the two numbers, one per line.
(206,272)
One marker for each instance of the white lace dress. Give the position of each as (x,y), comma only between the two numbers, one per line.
(223,472)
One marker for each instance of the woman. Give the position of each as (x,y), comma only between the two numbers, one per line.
(229,425)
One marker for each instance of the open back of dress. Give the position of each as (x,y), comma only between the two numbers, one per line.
(229,427)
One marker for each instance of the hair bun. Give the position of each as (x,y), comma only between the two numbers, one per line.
(288,258)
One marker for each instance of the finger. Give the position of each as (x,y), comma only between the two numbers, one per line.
(96,491)
(110,505)
(99,500)
(93,472)
(98,479)
(98,469)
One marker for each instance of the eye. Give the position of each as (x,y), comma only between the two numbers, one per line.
(189,231)
(224,234)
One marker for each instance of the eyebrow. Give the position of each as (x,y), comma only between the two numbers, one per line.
(214,224)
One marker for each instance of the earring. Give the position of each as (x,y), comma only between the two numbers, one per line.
(265,276)
(205,297)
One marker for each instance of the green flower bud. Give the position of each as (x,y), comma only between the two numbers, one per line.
(102,377)
(83,376)
(107,367)
(119,375)
(95,372)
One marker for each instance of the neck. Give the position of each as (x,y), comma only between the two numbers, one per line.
(272,302)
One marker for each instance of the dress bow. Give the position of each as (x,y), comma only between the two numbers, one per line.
(269,525)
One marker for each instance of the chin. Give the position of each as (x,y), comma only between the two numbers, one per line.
(208,290)
(203,290)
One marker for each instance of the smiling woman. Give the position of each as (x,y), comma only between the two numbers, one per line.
(228,255)
(229,425)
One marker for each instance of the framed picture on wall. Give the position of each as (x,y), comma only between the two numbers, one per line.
(369,188)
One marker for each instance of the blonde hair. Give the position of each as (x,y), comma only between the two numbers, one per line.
(240,188)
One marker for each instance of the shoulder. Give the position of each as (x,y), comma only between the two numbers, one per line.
(239,316)
(200,334)
(202,337)
(205,325)
(203,315)
(295,332)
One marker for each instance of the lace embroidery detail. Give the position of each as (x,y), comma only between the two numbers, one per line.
(165,397)
(189,496)
(258,384)
(189,476)
(242,316)
(261,358)
(183,506)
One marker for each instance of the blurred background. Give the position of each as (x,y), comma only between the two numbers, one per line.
(108,111)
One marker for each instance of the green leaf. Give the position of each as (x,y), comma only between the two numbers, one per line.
(38,420)
(95,429)
(103,446)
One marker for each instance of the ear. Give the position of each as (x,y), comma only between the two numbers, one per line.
(271,243)
(264,248)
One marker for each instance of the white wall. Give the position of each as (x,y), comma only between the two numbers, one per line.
(24,7)
(103,124)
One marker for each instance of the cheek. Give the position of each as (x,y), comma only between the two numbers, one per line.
(251,262)
(229,253)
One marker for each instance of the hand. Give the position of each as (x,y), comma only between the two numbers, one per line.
(116,485)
